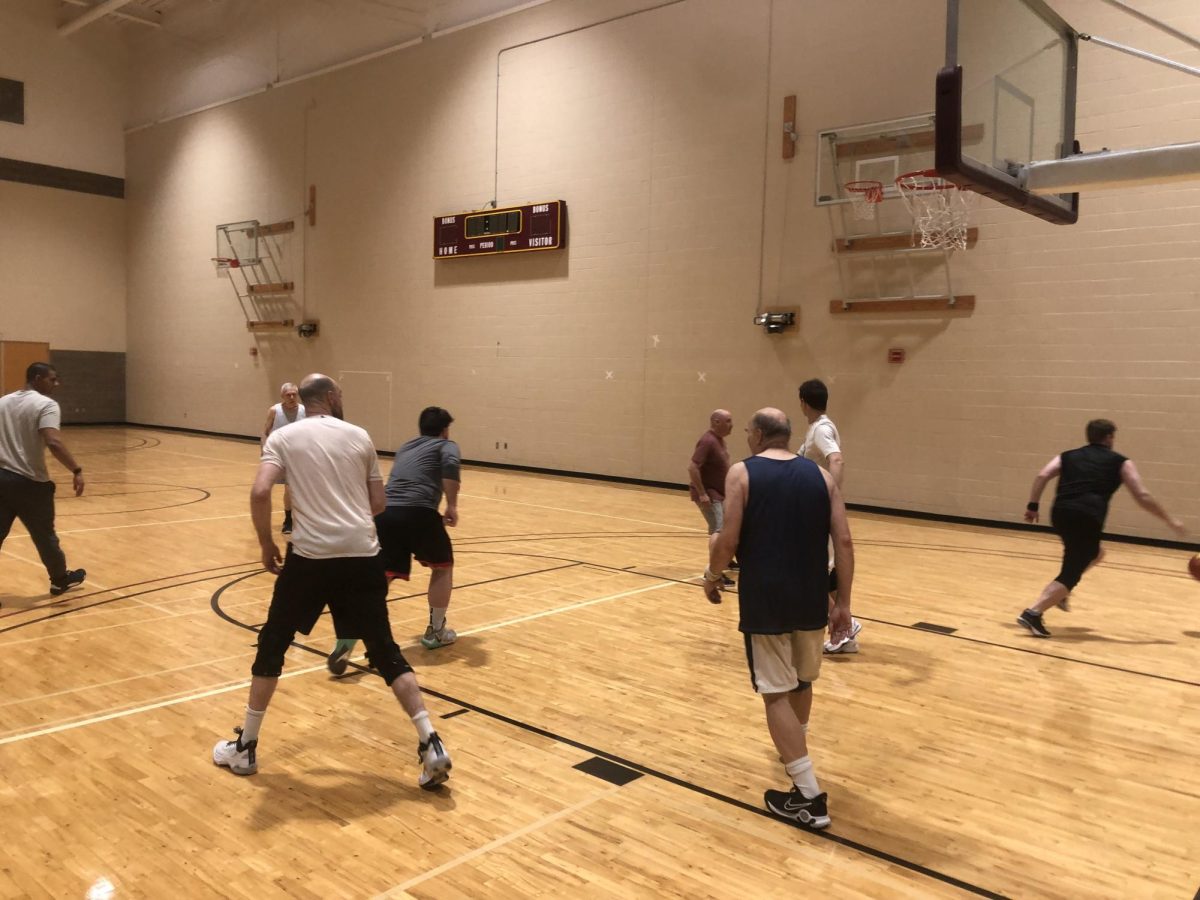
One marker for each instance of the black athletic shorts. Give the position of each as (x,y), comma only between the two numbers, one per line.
(408,531)
(353,587)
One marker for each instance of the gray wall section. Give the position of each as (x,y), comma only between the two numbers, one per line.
(93,385)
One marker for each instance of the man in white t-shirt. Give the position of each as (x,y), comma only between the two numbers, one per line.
(333,560)
(29,425)
(824,447)
(285,412)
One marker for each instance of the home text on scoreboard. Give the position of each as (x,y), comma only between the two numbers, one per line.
(516,229)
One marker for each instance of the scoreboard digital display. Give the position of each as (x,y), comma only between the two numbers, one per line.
(516,229)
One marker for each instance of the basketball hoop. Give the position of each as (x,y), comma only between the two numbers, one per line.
(864,195)
(940,209)
(226,262)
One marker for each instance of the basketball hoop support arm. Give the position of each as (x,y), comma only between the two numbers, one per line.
(1141,54)
(1113,168)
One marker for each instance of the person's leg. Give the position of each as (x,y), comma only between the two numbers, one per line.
(1080,537)
(33,503)
(433,549)
(366,607)
(287,510)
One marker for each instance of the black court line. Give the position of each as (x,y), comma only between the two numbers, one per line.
(75,609)
(457,712)
(204,495)
(645,770)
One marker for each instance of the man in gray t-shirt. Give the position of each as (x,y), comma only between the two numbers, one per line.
(29,425)
(426,468)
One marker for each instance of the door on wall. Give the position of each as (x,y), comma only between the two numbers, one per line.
(15,357)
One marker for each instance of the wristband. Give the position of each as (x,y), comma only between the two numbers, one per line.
(710,577)
(77,471)
(1031,506)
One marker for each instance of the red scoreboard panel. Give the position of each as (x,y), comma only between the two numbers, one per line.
(516,229)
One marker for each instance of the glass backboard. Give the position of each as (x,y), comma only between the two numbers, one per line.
(1006,98)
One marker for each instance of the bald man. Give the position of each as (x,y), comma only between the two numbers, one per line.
(780,512)
(285,412)
(333,559)
(706,475)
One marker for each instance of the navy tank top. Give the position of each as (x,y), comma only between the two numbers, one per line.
(783,548)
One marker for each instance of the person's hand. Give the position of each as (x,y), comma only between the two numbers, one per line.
(451,516)
(712,587)
(839,621)
(77,483)
(1031,516)
(271,559)
(704,499)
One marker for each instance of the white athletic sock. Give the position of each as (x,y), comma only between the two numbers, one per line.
(424,726)
(253,722)
(437,617)
(804,728)
(801,772)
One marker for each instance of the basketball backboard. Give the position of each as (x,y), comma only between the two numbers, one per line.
(238,241)
(1010,71)
(876,151)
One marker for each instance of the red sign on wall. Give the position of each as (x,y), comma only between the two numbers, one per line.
(515,229)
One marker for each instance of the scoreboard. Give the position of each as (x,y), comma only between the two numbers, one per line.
(515,229)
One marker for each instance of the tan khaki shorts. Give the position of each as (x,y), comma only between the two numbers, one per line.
(780,662)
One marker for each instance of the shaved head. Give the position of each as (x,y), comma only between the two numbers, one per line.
(321,395)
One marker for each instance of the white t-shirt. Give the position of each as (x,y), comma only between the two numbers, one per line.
(328,463)
(821,440)
(23,414)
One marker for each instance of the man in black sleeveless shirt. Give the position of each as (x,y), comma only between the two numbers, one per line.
(780,511)
(1087,479)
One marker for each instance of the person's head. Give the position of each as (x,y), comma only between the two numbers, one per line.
(321,395)
(41,377)
(721,422)
(1101,431)
(769,429)
(814,397)
(434,421)
(290,395)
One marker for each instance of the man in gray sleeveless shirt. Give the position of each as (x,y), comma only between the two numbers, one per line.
(780,511)
(285,412)
(424,469)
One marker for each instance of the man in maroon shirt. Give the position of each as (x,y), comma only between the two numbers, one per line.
(707,471)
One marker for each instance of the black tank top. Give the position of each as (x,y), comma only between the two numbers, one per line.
(783,548)
(1090,476)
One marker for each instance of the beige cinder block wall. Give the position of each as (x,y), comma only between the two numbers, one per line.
(661,131)
(62,253)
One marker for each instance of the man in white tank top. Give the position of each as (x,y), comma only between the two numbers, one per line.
(285,412)
(824,447)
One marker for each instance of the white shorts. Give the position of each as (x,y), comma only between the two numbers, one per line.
(780,662)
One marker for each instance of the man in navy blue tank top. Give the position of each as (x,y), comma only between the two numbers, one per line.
(780,511)
(1087,479)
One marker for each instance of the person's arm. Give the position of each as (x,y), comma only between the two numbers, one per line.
(377,495)
(737,489)
(267,427)
(53,440)
(837,467)
(260,515)
(1132,480)
(1049,471)
(699,457)
(450,489)
(843,557)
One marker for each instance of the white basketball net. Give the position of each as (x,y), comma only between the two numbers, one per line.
(941,210)
(864,195)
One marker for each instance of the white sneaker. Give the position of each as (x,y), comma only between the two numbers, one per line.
(844,644)
(438,637)
(855,627)
(435,762)
(239,758)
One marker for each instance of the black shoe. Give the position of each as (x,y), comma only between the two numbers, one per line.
(1033,621)
(734,565)
(287,523)
(74,577)
(794,805)
(338,660)
(726,581)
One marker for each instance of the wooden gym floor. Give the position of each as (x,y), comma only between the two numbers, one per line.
(974,761)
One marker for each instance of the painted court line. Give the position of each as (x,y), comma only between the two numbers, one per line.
(399,889)
(242,685)
(582,512)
